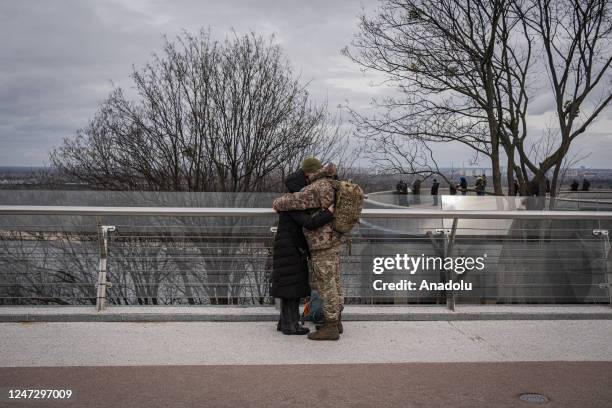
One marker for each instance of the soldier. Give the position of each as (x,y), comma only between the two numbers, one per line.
(324,244)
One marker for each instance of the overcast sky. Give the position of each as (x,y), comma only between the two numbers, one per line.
(59,58)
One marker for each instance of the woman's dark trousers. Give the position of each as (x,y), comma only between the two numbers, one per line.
(290,314)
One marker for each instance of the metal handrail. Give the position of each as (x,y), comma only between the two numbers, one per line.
(448,236)
(232,212)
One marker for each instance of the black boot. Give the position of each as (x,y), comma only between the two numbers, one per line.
(290,318)
(299,331)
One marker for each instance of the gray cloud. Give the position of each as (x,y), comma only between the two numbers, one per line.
(58,59)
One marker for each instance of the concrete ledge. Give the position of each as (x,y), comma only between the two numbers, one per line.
(270,313)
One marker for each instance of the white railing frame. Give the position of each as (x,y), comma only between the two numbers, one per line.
(254,212)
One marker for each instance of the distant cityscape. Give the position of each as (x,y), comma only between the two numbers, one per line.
(20,178)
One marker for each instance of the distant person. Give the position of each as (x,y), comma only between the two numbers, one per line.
(290,257)
(515,187)
(534,188)
(452,188)
(479,185)
(547,186)
(464,185)
(402,190)
(416,187)
(585,185)
(416,191)
(574,186)
(434,191)
(401,187)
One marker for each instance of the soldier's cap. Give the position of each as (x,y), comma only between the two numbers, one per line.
(311,164)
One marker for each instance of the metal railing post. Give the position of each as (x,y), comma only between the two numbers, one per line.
(449,240)
(604,235)
(103,234)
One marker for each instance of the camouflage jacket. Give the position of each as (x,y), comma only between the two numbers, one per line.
(318,194)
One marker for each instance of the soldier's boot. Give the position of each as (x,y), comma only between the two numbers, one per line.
(340,327)
(327,331)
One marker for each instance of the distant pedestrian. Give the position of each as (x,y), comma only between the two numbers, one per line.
(453,188)
(534,188)
(402,189)
(416,187)
(574,186)
(585,185)
(434,191)
(416,191)
(516,187)
(464,185)
(480,185)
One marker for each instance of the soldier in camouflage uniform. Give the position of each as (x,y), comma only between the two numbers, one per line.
(324,244)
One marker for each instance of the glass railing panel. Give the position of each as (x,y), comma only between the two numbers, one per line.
(227,259)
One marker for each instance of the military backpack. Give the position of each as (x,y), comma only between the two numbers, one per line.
(347,205)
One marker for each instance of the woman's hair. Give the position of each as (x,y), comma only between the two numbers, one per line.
(296,181)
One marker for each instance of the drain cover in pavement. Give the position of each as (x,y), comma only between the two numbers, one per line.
(534,398)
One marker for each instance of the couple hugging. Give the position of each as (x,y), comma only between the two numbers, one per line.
(306,234)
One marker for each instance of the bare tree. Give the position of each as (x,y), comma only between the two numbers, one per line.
(577,43)
(440,55)
(464,69)
(209,116)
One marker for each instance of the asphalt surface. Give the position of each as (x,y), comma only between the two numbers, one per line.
(473,385)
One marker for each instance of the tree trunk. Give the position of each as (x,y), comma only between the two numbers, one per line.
(510,172)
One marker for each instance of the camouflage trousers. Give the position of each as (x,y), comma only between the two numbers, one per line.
(325,278)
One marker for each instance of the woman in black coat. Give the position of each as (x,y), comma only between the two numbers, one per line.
(290,257)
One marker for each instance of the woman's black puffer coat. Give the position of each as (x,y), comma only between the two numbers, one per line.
(289,260)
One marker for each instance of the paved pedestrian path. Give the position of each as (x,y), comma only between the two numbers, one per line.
(375,364)
(427,385)
(215,343)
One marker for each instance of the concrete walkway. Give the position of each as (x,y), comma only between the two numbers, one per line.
(210,343)
(375,364)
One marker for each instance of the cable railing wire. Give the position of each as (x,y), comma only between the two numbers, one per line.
(187,260)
